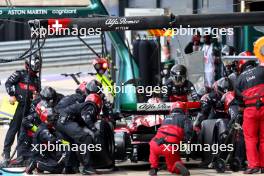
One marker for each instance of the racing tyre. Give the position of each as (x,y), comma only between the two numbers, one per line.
(220,165)
(235,164)
(120,146)
(208,137)
(144,57)
(136,50)
(123,148)
(105,157)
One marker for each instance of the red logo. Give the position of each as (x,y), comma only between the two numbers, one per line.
(57,24)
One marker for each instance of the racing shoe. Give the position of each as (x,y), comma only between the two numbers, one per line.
(88,171)
(153,171)
(251,171)
(29,169)
(183,170)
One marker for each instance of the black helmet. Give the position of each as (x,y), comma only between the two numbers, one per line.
(48,94)
(93,87)
(33,64)
(178,74)
(222,86)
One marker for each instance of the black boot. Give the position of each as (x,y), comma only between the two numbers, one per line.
(262,170)
(6,160)
(88,170)
(70,170)
(29,169)
(153,171)
(251,171)
(18,162)
(183,170)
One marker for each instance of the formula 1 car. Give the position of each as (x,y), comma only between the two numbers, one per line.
(132,137)
(140,125)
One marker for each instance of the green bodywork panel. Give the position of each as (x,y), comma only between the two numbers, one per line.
(249,36)
(127,68)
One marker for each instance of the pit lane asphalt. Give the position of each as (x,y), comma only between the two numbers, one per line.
(51,77)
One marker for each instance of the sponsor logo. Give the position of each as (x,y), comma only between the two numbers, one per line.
(120,21)
(153,106)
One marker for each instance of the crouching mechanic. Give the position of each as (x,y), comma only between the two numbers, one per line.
(178,87)
(47,95)
(212,107)
(171,133)
(78,97)
(77,122)
(45,158)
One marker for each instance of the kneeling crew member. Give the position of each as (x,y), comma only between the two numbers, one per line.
(171,132)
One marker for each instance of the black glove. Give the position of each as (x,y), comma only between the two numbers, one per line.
(219,105)
(63,118)
(96,132)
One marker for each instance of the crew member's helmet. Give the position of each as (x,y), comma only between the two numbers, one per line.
(100,65)
(49,95)
(45,113)
(178,73)
(94,87)
(245,63)
(222,86)
(33,64)
(227,99)
(82,88)
(96,100)
(228,50)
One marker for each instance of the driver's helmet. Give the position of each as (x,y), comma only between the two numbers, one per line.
(222,86)
(33,64)
(178,74)
(49,95)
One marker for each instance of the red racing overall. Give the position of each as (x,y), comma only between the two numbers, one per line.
(171,132)
(250,87)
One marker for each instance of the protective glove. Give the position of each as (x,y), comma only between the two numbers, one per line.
(63,118)
(34,128)
(62,141)
(96,132)
(196,129)
(219,105)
